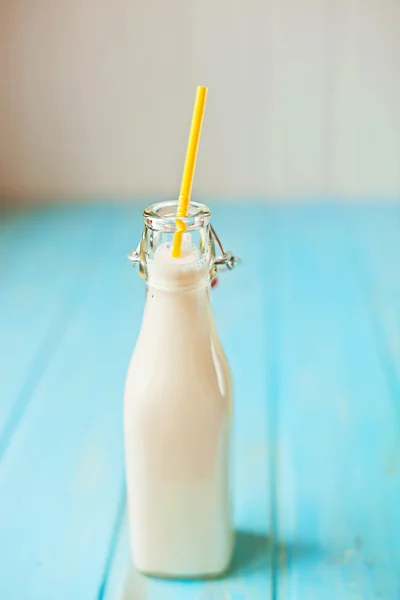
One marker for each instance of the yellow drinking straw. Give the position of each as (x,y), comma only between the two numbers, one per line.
(188,170)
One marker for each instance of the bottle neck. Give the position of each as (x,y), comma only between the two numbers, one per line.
(177,313)
(188,273)
(178,300)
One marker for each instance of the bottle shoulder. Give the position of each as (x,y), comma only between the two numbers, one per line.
(189,373)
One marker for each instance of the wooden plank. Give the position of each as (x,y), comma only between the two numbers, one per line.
(337,421)
(47,258)
(375,234)
(242,323)
(61,478)
(310,324)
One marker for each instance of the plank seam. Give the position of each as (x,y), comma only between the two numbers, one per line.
(118,522)
(272,336)
(51,340)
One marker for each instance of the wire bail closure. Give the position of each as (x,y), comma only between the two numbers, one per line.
(225,259)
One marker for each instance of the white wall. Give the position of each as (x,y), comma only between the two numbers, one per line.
(96,96)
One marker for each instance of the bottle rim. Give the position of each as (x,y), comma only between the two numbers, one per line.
(162,216)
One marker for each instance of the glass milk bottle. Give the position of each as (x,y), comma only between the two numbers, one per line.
(178,405)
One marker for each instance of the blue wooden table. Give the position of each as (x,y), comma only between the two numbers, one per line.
(311,325)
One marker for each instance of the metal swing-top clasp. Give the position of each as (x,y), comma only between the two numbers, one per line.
(225,259)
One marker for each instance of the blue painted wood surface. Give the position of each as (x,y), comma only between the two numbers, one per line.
(311,325)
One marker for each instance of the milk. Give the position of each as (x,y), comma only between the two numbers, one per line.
(177,427)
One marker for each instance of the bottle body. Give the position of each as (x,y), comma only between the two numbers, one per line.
(177,438)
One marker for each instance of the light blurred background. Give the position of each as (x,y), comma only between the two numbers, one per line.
(96,98)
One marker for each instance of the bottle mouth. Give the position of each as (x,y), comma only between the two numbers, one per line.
(162,216)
